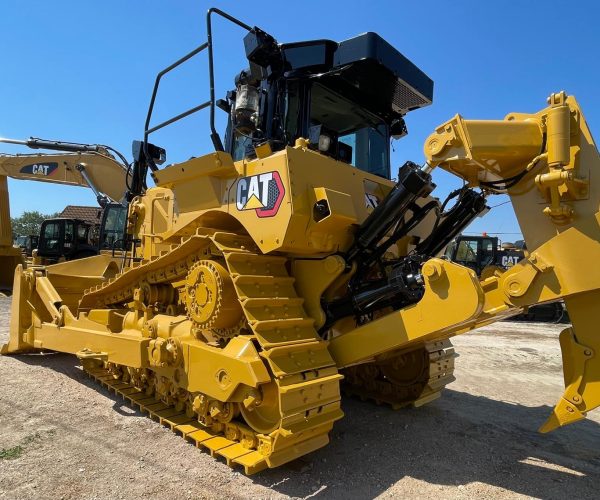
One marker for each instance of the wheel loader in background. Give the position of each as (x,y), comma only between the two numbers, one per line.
(264,277)
(86,165)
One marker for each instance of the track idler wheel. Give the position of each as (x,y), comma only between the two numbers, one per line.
(264,414)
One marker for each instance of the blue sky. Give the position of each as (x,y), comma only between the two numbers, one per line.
(83,71)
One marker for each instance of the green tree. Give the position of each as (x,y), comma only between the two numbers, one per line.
(29,223)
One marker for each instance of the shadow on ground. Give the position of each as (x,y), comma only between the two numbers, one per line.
(456,440)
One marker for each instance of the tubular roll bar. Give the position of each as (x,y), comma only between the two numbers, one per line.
(214,135)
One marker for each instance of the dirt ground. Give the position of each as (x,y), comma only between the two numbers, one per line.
(61,436)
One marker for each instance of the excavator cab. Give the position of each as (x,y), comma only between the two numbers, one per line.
(70,239)
(66,239)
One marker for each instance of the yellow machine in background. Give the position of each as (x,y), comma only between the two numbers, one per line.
(83,165)
(263,276)
(10,256)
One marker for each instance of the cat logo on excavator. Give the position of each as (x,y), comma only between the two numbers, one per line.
(263,193)
(43,169)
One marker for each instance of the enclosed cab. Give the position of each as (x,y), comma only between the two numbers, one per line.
(66,239)
(348,98)
(27,243)
(478,252)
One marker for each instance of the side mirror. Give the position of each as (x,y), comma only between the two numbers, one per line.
(157,154)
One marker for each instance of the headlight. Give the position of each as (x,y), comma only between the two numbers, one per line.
(324,142)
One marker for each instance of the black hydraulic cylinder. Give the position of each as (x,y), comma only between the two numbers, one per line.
(413,183)
(73,147)
(469,205)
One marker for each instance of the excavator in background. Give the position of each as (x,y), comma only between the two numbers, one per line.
(265,277)
(65,239)
(86,165)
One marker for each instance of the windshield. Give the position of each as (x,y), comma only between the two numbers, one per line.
(467,251)
(449,253)
(114,227)
(51,237)
(348,132)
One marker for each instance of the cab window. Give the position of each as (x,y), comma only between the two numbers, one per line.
(348,133)
(467,251)
(82,233)
(487,252)
(69,234)
(449,253)
(114,227)
(51,236)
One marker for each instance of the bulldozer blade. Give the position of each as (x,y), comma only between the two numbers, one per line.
(580,345)
(20,315)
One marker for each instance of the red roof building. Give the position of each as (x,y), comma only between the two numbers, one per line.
(92,215)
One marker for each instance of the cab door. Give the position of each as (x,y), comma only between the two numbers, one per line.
(112,229)
(487,251)
(51,239)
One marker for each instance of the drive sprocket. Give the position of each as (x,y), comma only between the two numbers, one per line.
(210,299)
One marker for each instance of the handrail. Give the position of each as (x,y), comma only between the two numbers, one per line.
(216,139)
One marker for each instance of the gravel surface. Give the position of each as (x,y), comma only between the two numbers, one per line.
(61,436)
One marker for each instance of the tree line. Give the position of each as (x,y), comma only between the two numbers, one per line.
(29,223)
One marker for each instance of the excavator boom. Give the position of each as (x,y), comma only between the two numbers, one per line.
(83,165)
(98,171)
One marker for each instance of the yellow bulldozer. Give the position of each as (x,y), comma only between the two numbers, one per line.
(265,277)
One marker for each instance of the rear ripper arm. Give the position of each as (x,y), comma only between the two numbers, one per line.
(543,161)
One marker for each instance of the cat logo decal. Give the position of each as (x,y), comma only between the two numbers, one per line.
(41,169)
(262,193)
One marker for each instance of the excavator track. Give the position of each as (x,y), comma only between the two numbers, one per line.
(415,377)
(301,403)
